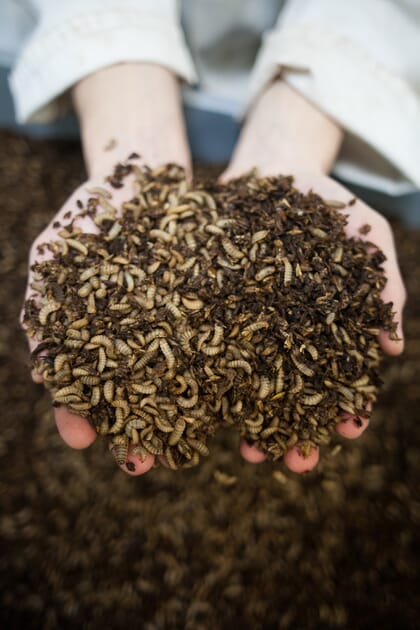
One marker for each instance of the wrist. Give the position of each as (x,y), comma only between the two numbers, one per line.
(284,133)
(128,108)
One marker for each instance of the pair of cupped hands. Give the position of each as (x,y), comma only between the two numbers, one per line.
(78,433)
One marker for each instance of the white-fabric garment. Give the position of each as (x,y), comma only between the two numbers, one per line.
(358,61)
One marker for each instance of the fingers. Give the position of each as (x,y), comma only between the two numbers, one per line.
(74,430)
(352,427)
(298,463)
(79,434)
(394,290)
(251,453)
(134,466)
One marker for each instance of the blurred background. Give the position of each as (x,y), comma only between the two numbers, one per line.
(83,545)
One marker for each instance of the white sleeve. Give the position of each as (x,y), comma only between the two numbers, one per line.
(73,39)
(358,62)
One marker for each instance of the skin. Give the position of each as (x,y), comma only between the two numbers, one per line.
(283,133)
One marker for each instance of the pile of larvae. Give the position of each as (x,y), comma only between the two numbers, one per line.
(198,306)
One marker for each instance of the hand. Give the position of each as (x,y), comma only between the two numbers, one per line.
(122,108)
(76,431)
(285,134)
(394,291)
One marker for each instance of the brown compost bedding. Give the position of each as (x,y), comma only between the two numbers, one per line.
(82,545)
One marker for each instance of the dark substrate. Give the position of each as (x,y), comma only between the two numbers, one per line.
(83,545)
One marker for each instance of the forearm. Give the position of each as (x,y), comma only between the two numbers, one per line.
(130,107)
(284,133)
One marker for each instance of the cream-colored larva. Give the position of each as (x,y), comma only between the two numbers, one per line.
(346,391)
(114,231)
(190,241)
(49,307)
(259,236)
(163,425)
(119,449)
(224,479)
(90,380)
(73,343)
(107,269)
(123,348)
(217,335)
(123,405)
(345,336)
(104,216)
(333,203)
(77,245)
(254,327)
(268,431)
(279,384)
(79,406)
(177,432)
(312,400)
(346,406)
(95,396)
(144,388)
(211,351)
(67,399)
(254,424)
(60,361)
(174,310)
(297,385)
(88,273)
(134,423)
(330,318)
(168,354)
(214,229)
(75,389)
(302,367)
(102,340)
(312,351)
(153,448)
(108,390)
(192,304)
(264,273)
(188,264)
(99,191)
(170,458)
(120,306)
(119,421)
(288,270)
(187,403)
(265,387)
(360,382)
(239,363)
(91,305)
(231,250)
(102,360)
(85,290)
(160,234)
(199,446)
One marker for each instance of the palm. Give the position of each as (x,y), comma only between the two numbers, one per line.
(75,430)
(380,234)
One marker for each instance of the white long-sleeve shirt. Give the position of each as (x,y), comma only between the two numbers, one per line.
(358,61)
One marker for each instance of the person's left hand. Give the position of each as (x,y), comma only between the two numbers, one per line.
(394,291)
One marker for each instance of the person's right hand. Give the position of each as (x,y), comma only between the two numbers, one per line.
(76,431)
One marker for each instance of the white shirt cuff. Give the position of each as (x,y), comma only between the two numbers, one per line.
(343,80)
(53,61)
